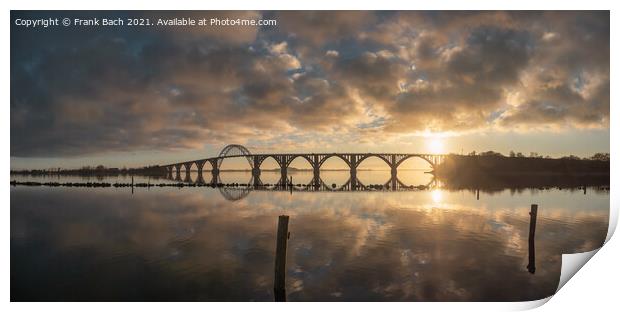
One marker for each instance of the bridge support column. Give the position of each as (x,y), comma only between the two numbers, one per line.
(200,179)
(187,166)
(215,175)
(215,170)
(256,170)
(256,176)
(316,176)
(394,178)
(353,163)
(284,175)
(353,179)
(178,169)
(316,179)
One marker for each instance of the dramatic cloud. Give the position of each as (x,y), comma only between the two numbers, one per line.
(359,74)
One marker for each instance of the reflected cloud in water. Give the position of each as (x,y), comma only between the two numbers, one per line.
(192,244)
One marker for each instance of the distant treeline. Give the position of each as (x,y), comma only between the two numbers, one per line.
(494,171)
(497,163)
(95,171)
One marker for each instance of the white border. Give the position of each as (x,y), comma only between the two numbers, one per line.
(593,286)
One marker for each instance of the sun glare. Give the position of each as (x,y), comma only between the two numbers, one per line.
(435,145)
(436,195)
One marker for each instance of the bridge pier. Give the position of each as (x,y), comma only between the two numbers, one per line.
(188,167)
(199,166)
(256,176)
(169,172)
(353,178)
(200,179)
(317,176)
(188,178)
(178,169)
(283,175)
(215,175)
(394,178)
(256,160)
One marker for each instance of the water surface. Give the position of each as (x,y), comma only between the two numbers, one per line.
(186,244)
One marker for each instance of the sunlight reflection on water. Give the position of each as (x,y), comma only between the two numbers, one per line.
(193,244)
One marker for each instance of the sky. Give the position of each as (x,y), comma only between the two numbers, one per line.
(329,81)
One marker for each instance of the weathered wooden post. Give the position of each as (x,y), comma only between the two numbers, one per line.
(279,282)
(531,266)
(477,194)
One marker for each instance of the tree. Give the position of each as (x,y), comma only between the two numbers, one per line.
(600,156)
(571,157)
(491,153)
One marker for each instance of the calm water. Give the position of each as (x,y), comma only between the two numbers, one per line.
(190,244)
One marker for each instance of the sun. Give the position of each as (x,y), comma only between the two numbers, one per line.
(435,145)
(436,196)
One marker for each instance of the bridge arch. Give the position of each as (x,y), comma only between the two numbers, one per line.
(400,161)
(206,165)
(414,170)
(234,193)
(269,168)
(189,171)
(322,161)
(373,172)
(308,159)
(327,174)
(306,172)
(367,156)
(335,187)
(233,150)
(262,160)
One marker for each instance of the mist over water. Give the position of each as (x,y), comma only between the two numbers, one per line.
(191,244)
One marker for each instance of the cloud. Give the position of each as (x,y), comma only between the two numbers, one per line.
(230,34)
(317,28)
(359,74)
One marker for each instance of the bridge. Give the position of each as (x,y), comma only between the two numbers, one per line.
(316,160)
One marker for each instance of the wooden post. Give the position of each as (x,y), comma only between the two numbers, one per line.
(531,266)
(279,282)
(477,194)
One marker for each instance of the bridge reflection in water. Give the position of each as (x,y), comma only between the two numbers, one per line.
(353,160)
(237,191)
